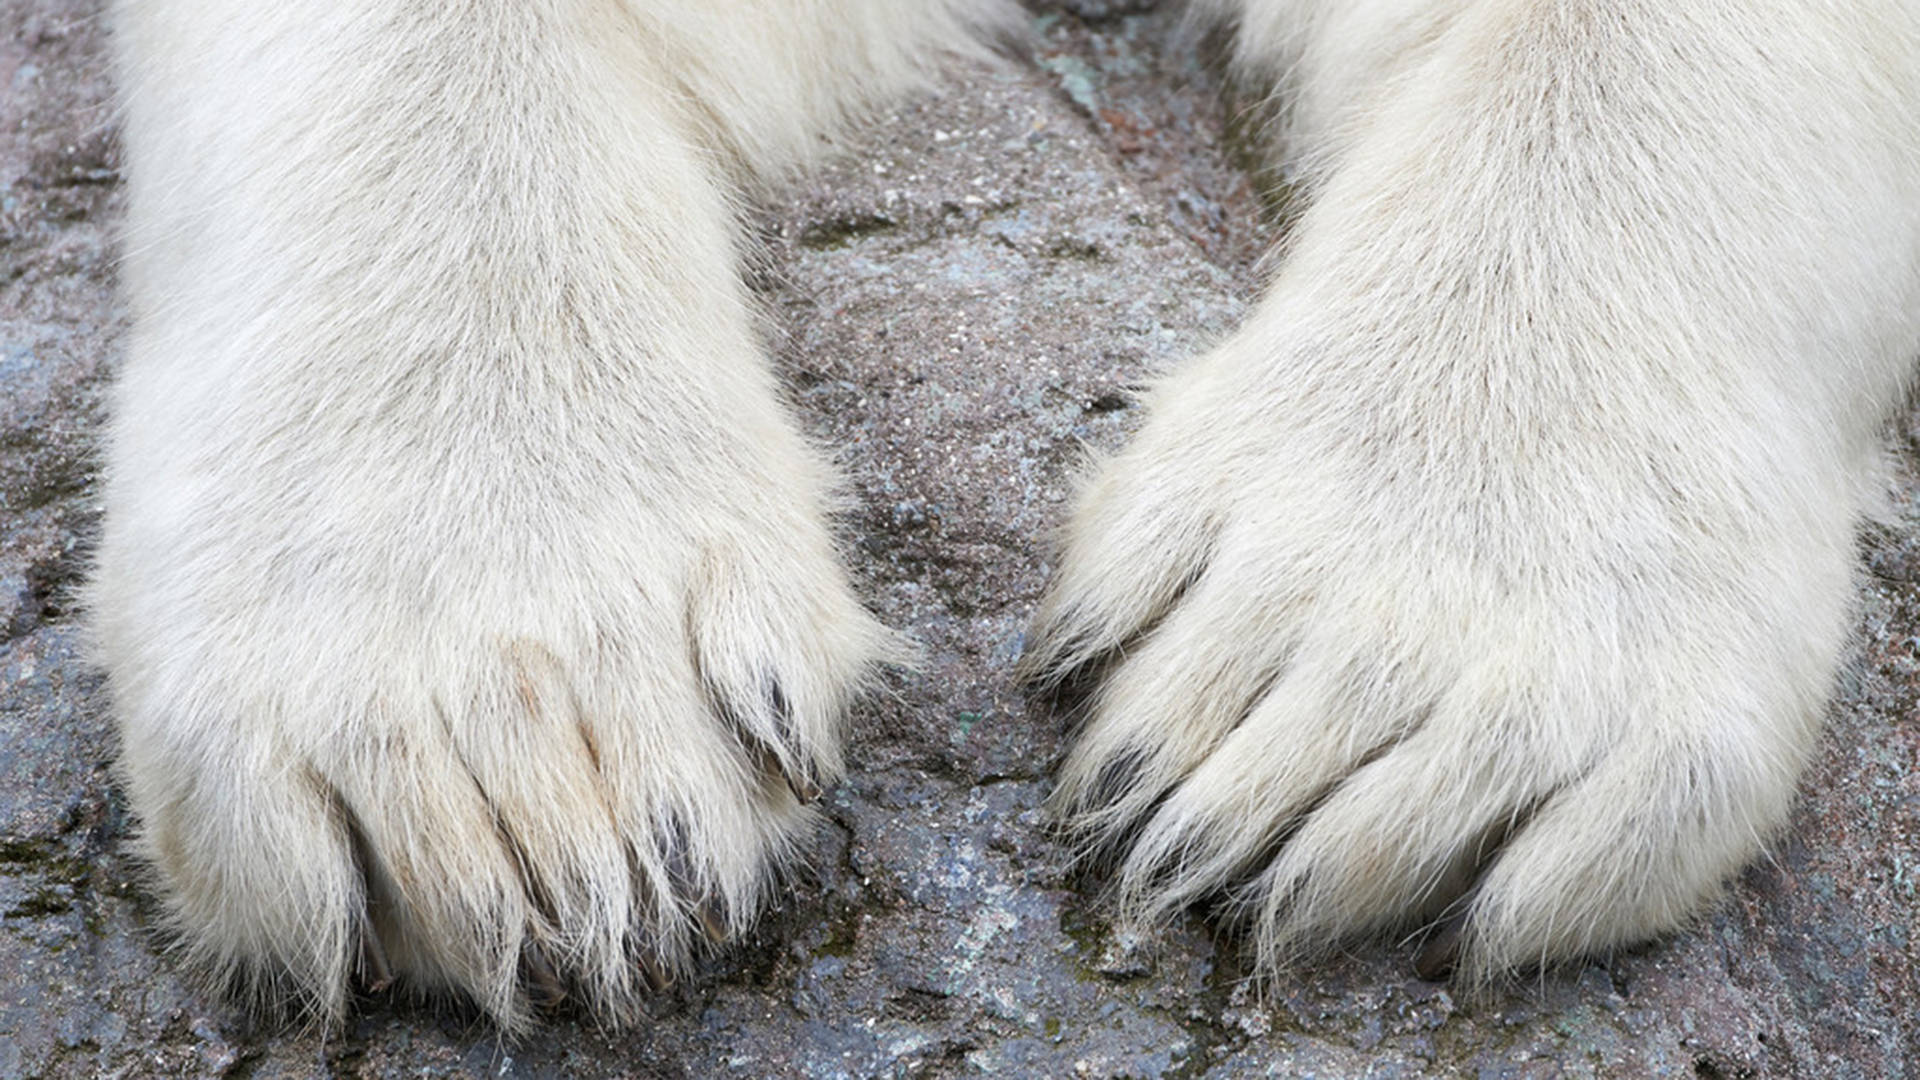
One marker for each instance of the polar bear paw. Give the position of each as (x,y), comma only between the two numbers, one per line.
(1336,681)
(522,751)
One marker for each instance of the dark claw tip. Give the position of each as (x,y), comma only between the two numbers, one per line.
(1436,960)
(712,922)
(376,974)
(656,976)
(804,788)
(543,984)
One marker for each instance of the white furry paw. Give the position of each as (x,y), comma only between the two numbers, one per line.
(520,714)
(1359,661)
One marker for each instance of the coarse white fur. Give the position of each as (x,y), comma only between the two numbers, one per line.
(466,595)
(1496,571)
(461,565)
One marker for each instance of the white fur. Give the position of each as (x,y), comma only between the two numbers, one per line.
(1524,501)
(456,538)
(449,496)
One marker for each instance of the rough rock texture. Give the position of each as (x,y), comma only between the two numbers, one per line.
(963,303)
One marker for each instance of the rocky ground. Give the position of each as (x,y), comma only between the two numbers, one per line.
(963,303)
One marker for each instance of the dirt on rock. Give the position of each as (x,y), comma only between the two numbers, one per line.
(963,304)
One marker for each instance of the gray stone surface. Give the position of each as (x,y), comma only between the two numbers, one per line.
(963,303)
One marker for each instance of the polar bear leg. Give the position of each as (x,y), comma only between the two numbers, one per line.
(1494,574)
(465,593)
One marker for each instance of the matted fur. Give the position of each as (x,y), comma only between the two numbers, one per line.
(466,593)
